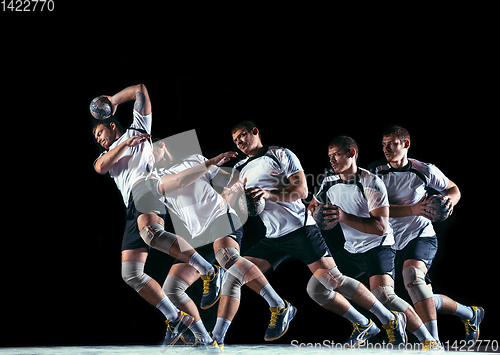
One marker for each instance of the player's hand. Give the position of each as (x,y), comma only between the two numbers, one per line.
(258,193)
(423,208)
(332,215)
(114,106)
(136,140)
(221,159)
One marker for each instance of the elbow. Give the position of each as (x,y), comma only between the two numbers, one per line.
(99,168)
(302,192)
(381,227)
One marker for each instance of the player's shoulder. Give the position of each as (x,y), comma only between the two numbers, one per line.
(378,166)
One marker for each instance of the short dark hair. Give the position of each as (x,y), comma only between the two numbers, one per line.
(398,132)
(347,143)
(248,125)
(106,123)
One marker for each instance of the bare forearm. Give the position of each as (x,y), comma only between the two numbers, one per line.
(127,94)
(106,162)
(288,194)
(372,225)
(454,194)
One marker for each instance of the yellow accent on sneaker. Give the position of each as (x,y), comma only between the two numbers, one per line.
(275,312)
(207,279)
(431,345)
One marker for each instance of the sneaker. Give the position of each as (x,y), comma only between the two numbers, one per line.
(362,333)
(472,325)
(431,345)
(189,339)
(212,285)
(280,319)
(396,329)
(175,329)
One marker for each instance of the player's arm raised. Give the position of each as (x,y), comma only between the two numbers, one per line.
(138,92)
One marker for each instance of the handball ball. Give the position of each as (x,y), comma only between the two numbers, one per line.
(100,108)
(319,217)
(440,212)
(248,206)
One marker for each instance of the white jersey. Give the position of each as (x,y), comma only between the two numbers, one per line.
(357,197)
(198,204)
(136,162)
(407,186)
(270,171)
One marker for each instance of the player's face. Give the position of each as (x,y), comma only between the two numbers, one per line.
(246,141)
(339,159)
(394,149)
(104,136)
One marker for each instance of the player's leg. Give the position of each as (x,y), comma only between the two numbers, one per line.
(133,262)
(471,316)
(153,233)
(327,279)
(179,278)
(382,287)
(414,272)
(241,270)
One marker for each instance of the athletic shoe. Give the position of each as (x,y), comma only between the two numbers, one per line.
(280,319)
(362,333)
(396,329)
(175,329)
(472,325)
(212,285)
(191,340)
(431,345)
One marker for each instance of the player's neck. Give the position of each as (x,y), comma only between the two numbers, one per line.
(400,163)
(349,173)
(256,151)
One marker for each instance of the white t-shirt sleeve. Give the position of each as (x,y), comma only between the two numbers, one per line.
(437,180)
(289,162)
(376,194)
(142,122)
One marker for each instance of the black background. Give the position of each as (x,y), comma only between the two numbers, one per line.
(62,237)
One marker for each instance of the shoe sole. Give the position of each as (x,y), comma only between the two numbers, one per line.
(210,305)
(294,312)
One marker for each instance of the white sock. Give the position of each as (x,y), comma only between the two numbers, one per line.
(168,309)
(432,327)
(464,312)
(200,264)
(272,298)
(220,329)
(354,316)
(423,334)
(200,332)
(381,312)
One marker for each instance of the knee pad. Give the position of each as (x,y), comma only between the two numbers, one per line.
(318,292)
(227,257)
(333,279)
(414,280)
(133,274)
(241,268)
(386,295)
(232,287)
(175,289)
(155,236)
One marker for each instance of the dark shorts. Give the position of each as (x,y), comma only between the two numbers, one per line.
(376,261)
(305,244)
(420,248)
(229,223)
(141,200)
